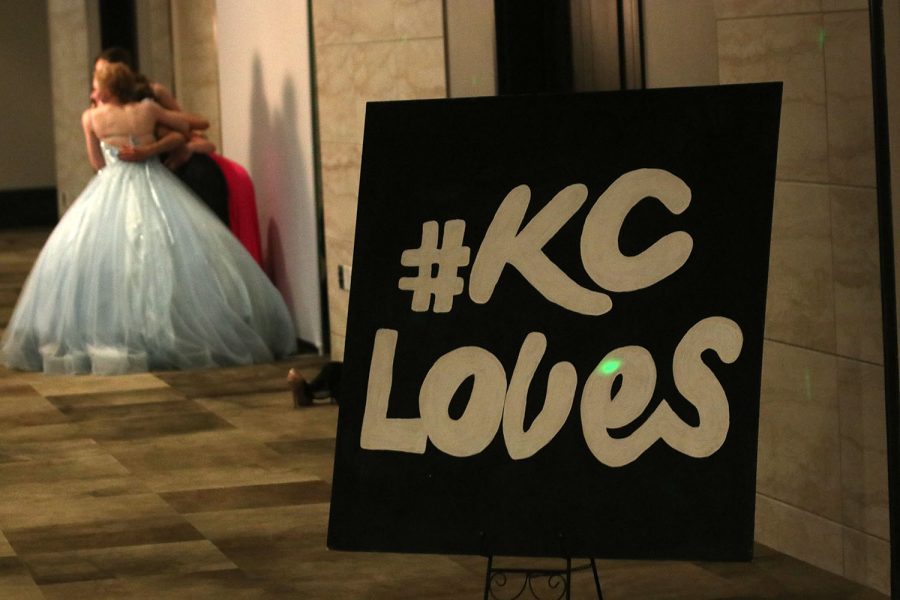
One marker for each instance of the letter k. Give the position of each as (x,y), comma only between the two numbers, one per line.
(504,244)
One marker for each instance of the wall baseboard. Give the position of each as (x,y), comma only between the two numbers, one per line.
(32,207)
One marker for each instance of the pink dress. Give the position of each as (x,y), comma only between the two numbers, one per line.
(242,215)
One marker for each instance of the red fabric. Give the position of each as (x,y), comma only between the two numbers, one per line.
(242,213)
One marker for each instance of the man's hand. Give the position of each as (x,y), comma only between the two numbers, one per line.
(134,153)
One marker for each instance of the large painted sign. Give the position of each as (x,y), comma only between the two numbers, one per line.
(555,328)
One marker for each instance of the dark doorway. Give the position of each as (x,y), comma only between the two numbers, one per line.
(118,27)
(534,46)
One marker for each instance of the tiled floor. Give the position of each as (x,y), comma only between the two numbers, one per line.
(209,484)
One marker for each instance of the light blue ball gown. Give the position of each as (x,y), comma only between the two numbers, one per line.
(140,275)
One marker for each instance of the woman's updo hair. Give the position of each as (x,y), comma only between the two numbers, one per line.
(117,54)
(118,80)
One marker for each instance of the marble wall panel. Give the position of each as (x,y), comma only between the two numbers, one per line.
(340,168)
(351,75)
(356,21)
(337,317)
(338,251)
(800,299)
(340,217)
(335,95)
(375,71)
(196,61)
(70,58)
(836,5)
(155,40)
(337,346)
(366,50)
(787,49)
(370,20)
(823,287)
(729,9)
(742,51)
(799,461)
(867,560)
(857,277)
(799,533)
(851,133)
(340,221)
(419,18)
(863,443)
(794,54)
(420,70)
(329,26)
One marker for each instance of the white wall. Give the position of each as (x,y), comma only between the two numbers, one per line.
(265,93)
(26,120)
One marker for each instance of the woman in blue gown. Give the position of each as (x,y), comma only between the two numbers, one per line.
(139,274)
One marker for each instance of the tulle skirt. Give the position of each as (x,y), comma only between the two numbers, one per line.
(140,275)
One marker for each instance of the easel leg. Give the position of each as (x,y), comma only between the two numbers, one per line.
(596,579)
(487,577)
(563,576)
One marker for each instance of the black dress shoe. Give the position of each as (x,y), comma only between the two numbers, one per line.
(327,383)
(299,388)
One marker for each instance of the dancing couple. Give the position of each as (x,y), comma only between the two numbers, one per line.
(139,274)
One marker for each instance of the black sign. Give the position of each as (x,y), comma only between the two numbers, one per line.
(555,330)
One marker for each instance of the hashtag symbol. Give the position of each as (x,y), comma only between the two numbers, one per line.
(448,258)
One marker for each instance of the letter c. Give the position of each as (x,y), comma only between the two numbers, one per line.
(600,253)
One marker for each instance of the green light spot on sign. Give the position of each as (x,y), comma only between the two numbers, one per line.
(609,366)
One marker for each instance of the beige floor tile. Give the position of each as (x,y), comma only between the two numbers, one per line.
(84,509)
(73,404)
(304,524)
(20,408)
(40,433)
(26,492)
(191,479)
(79,467)
(5,548)
(217,585)
(127,561)
(273,418)
(207,459)
(249,496)
(16,582)
(103,532)
(64,385)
